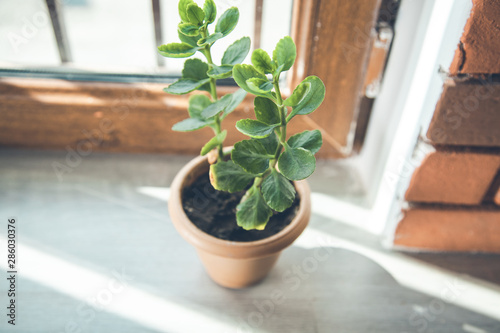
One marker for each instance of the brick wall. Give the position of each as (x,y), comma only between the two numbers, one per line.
(454,194)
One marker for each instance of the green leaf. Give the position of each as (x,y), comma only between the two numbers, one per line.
(216,107)
(214,142)
(195,69)
(278,192)
(177,50)
(183,4)
(312,99)
(254,128)
(209,39)
(278,70)
(236,99)
(262,61)
(266,111)
(210,11)
(251,156)
(296,163)
(252,212)
(236,52)
(220,72)
(197,103)
(188,29)
(270,144)
(205,87)
(298,94)
(191,124)
(260,85)
(195,14)
(227,176)
(309,140)
(184,86)
(242,73)
(190,40)
(227,21)
(194,76)
(285,53)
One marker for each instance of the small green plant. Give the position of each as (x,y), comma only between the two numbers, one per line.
(198,75)
(265,164)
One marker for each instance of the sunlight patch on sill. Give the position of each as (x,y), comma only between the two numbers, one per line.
(322,205)
(161,193)
(126,301)
(342,211)
(464,291)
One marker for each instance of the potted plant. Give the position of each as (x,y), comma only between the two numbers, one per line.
(240,206)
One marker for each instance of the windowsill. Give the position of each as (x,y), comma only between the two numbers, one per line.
(108,216)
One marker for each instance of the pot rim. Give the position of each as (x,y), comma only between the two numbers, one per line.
(214,245)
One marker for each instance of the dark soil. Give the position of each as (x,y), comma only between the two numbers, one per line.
(214,212)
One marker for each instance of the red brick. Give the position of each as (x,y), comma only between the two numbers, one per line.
(449,229)
(453,177)
(467,114)
(479,47)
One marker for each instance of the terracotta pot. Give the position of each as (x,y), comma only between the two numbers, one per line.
(234,264)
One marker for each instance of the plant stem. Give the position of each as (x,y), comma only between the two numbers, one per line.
(213,86)
(282,111)
(282,128)
(281,133)
(213,92)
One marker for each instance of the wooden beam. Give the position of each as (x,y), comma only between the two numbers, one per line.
(334,41)
(115,117)
(257,30)
(467,114)
(449,229)
(56,114)
(452,177)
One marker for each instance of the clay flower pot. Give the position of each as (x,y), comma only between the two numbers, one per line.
(234,264)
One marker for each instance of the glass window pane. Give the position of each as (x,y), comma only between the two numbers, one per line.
(26,34)
(118,35)
(276,22)
(111,35)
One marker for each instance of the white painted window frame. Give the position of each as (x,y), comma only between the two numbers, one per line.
(426,35)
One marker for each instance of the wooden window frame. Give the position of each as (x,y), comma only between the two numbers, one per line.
(54,114)
(137,117)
